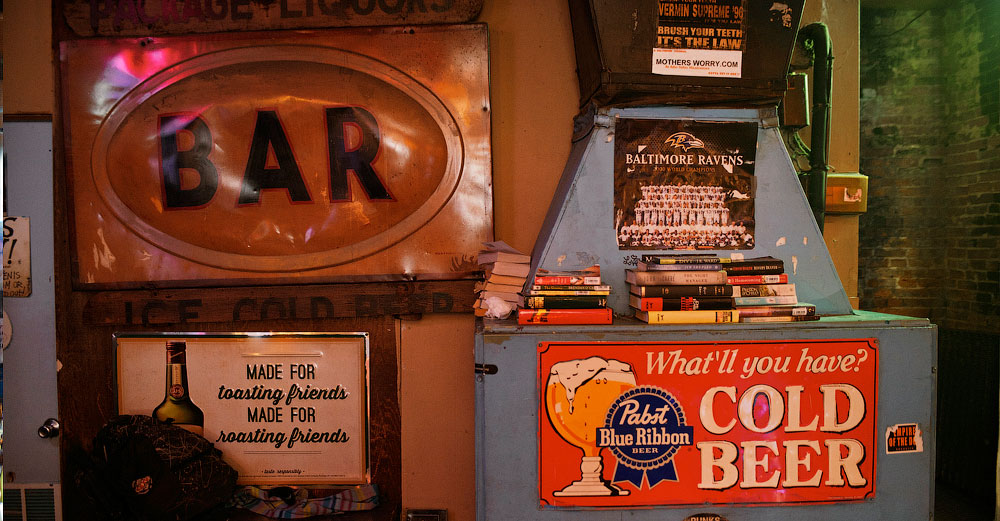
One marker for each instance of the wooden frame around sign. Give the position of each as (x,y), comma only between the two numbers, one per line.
(284,408)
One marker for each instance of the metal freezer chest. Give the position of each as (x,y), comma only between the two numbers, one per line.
(831,419)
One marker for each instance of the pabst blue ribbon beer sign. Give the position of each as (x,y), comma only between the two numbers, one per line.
(761,422)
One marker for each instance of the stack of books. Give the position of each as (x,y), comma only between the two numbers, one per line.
(762,293)
(506,271)
(705,289)
(681,289)
(567,297)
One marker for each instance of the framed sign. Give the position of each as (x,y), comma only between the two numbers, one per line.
(284,408)
(637,425)
(684,184)
(342,155)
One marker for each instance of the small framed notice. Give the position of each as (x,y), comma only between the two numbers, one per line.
(284,408)
(16,257)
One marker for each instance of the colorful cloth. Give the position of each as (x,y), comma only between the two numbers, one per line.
(294,503)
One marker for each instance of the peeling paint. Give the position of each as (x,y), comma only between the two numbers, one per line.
(795,264)
(781,241)
(805,240)
(560,259)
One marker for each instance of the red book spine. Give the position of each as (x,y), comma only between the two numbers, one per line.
(564,316)
(739,280)
(565,280)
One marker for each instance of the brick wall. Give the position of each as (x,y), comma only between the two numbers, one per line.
(930,144)
(928,246)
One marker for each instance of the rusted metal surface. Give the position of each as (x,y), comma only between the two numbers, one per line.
(163,17)
(340,155)
(617,43)
(254,304)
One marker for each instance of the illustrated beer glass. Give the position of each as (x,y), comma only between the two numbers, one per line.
(578,395)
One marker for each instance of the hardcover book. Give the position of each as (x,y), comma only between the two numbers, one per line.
(655,266)
(496,278)
(586,276)
(764,290)
(574,287)
(681,278)
(566,280)
(680,303)
(513,269)
(684,259)
(564,316)
(563,302)
(688,317)
(742,280)
(491,286)
(787,318)
(721,290)
(765,301)
(567,292)
(801,309)
(756,266)
(486,257)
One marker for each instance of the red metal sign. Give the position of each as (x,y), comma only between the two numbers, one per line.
(279,156)
(672,423)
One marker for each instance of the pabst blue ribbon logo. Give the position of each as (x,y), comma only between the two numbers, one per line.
(645,427)
(684,140)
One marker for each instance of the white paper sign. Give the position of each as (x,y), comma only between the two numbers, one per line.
(282,408)
(698,62)
(16,257)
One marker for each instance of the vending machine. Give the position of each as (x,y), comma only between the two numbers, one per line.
(826,413)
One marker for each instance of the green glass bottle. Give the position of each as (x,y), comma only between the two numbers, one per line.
(177,407)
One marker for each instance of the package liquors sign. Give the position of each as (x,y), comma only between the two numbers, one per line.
(752,423)
(282,408)
(16,257)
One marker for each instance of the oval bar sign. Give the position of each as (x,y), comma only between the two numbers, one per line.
(279,166)
(276,158)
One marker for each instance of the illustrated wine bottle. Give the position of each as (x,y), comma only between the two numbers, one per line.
(177,407)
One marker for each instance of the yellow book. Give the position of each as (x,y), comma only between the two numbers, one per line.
(706,316)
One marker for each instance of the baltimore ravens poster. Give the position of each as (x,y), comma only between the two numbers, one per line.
(684,184)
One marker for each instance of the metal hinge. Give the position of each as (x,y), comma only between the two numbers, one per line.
(486,369)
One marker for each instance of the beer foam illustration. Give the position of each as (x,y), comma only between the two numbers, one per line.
(574,373)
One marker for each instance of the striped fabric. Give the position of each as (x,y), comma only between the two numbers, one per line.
(260,501)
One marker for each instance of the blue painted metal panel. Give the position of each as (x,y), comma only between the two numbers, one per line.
(508,404)
(579,228)
(30,360)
